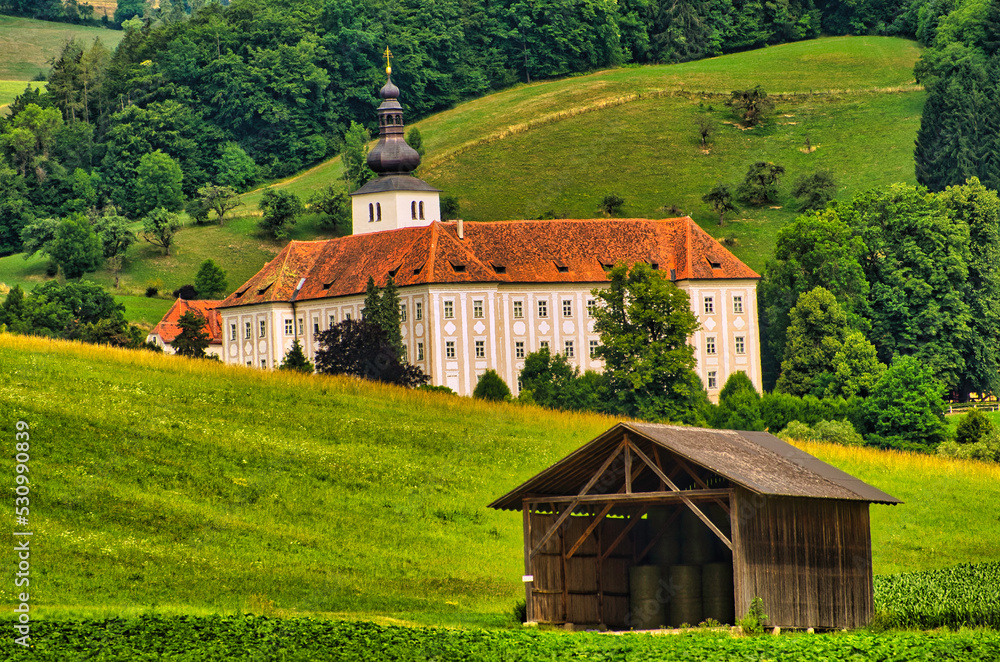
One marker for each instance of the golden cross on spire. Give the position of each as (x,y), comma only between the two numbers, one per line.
(388,56)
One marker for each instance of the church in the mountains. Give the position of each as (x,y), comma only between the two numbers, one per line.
(476,296)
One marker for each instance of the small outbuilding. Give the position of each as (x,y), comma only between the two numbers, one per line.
(658,525)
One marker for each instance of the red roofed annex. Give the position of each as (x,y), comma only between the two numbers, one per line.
(478,296)
(164,333)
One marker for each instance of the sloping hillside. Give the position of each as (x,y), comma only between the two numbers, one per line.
(176,485)
(27,45)
(559,146)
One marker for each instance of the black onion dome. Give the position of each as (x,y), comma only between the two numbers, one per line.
(389,91)
(391,155)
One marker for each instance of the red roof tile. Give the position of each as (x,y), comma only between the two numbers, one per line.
(556,251)
(168,329)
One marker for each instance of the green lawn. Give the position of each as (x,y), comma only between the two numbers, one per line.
(27,45)
(178,486)
(145,310)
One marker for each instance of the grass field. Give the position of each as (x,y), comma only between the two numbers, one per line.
(11,89)
(560,146)
(27,45)
(169,485)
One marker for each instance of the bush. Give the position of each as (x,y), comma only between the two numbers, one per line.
(186,292)
(987,450)
(830,432)
(974,427)
(152,291)
(491,387)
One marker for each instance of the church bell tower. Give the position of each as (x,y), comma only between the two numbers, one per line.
(395,199)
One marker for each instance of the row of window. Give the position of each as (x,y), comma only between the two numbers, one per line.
(739,344)
(543,308)
(569,349)
(708,303)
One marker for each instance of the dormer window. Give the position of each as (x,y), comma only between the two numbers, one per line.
(713,264)
(265,288)
(561,267)
(499,268)
(458,268)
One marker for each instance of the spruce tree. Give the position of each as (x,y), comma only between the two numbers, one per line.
(296,360)
(192,340)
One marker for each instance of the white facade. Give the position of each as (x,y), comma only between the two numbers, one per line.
(454,333)
(390,210)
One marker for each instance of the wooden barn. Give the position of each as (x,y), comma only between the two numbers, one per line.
(658,525)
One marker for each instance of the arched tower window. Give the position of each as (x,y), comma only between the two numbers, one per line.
(413,210)
(378,211)
(371,212)
(421,210)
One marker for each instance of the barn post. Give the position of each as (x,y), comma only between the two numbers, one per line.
(529,607)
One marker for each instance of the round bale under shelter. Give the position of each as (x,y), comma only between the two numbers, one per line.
(658,525)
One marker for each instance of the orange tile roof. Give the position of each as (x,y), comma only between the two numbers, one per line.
(168,329)
(556,251)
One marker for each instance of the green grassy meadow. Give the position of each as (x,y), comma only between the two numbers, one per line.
(560,146)
(161,484)
(11,89)
(27,45)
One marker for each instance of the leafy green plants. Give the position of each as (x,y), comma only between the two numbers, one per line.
(753,622)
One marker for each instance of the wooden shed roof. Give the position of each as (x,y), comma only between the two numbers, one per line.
(757,461)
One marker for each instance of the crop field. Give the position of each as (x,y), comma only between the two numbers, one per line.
(964,596)
(258,638)
(27,45)
(178,486)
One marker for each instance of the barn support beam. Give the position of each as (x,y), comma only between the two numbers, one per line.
(573,504)
(529,598)
(690,504)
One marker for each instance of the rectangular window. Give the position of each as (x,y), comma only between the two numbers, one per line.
(569,349)
(263,328)
(300,326)
(420,351)
(405,354)
(449,349)
(713,381)
(263,363)
(709,305)
(480,349)
(347,316)
(567,308)
(593,349)
(288,327)
(710,345)
(738,304)
(315,326)
(402,312)
(543,308)
(740,345)
(247,333)
(249,364)
(333,320)
(519,349)
(477,309)
(543,344)
(449,310)
(518,310)
(591,306)
(418,309)
(232,331)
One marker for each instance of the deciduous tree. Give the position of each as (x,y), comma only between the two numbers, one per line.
(720,199)
(760,186)
(361,348)
(159,228)
(492,387)
(906,408)
(280,210)
(75,247)
(158,183)
(210,281)
(644,322)
(751,104)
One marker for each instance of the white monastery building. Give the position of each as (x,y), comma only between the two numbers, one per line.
(478,296)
